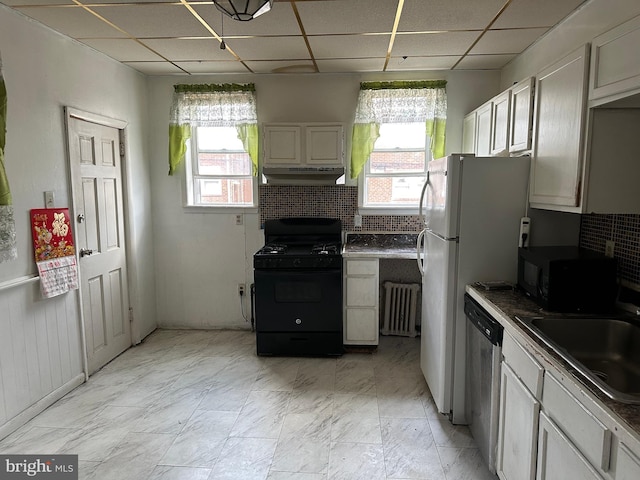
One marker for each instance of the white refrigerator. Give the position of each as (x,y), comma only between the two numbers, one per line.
(472,208)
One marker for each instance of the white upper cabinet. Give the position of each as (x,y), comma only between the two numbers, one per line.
(282,145)
(318,145)
(469,133)
(500,124)
(560,99)
(521,124)
(484,121)
(615,63)
(324,145)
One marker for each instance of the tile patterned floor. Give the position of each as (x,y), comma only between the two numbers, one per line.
(200,405)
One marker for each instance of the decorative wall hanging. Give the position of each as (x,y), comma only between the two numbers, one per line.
(54,251)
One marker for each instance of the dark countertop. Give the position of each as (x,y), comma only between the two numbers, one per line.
(380,245)
(511,304)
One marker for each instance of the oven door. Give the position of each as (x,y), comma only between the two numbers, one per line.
(298,300)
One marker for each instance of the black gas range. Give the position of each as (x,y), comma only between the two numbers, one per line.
(298,287)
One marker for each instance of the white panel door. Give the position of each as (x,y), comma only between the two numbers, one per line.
(95,166)
(438,318)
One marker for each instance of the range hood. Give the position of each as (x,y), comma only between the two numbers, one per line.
(302,175)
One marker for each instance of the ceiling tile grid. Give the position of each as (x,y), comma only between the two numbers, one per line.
(166,37)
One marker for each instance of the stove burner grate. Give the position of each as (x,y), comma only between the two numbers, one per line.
(273,248)
(325,249)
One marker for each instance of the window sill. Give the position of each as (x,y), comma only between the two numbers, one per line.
(218,209)
(388,211)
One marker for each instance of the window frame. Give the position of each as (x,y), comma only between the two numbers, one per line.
(192,175)
(402,209)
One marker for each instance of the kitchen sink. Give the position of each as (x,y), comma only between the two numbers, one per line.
(605,351)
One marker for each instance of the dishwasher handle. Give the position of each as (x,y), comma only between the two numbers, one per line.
(483,321)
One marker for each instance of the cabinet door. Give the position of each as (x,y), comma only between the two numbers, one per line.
(500,123)
(362,291)
(518,429)
(558,457)
(469,133)
(361,326)
(627,465)
(615,63)
(282,145)
(324,145)
(521,116)
(483,130)
(556,168)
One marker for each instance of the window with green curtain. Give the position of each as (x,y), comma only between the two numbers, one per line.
(398,102)
(211,105)
(8,246)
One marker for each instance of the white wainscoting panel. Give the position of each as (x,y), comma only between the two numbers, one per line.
(40,349)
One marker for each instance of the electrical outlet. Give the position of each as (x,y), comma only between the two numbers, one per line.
(241,287)
(357,220)
(609,248)
(239,219)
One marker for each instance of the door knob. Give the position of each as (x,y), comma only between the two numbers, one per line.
(85,252)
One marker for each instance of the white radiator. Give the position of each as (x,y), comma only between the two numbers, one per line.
(400,309)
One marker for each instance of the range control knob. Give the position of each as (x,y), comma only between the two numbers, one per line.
(298,321)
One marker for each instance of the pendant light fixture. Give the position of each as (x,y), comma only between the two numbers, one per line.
(243,10)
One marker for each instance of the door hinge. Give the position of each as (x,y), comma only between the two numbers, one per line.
(130,314)
(122,149)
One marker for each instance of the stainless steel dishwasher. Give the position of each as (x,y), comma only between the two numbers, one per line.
(484,352)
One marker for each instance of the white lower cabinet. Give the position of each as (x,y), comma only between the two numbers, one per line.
(627,464)
(518,429)
(361,301)
(558,457)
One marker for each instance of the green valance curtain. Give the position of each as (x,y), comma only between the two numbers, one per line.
(397,102)
(8,248)
(224,105)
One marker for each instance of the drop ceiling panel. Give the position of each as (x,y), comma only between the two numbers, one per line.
(284,66)
(279,21)
(123,49)
(507,41)
(349,46)
(444,62)
(443,43)
(153,20)
(420,15)
(37,2)
(189,49)
(346,65)
(540,13)
(269,48)
(347,16)
(213,67)
(155,68)
(73,22)
(484,62)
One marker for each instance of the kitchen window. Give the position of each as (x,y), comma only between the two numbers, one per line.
(214,130)
(219,170)
(395,172)
(398,128)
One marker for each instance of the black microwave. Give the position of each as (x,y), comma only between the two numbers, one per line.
(568,279)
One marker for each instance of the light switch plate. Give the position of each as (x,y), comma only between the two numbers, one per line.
(48,199)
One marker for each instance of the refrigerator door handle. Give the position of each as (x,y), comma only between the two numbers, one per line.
(424,190)
(419,251)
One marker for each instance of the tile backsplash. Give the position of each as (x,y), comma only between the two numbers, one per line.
(340,201)
(624,230)
(333,201)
